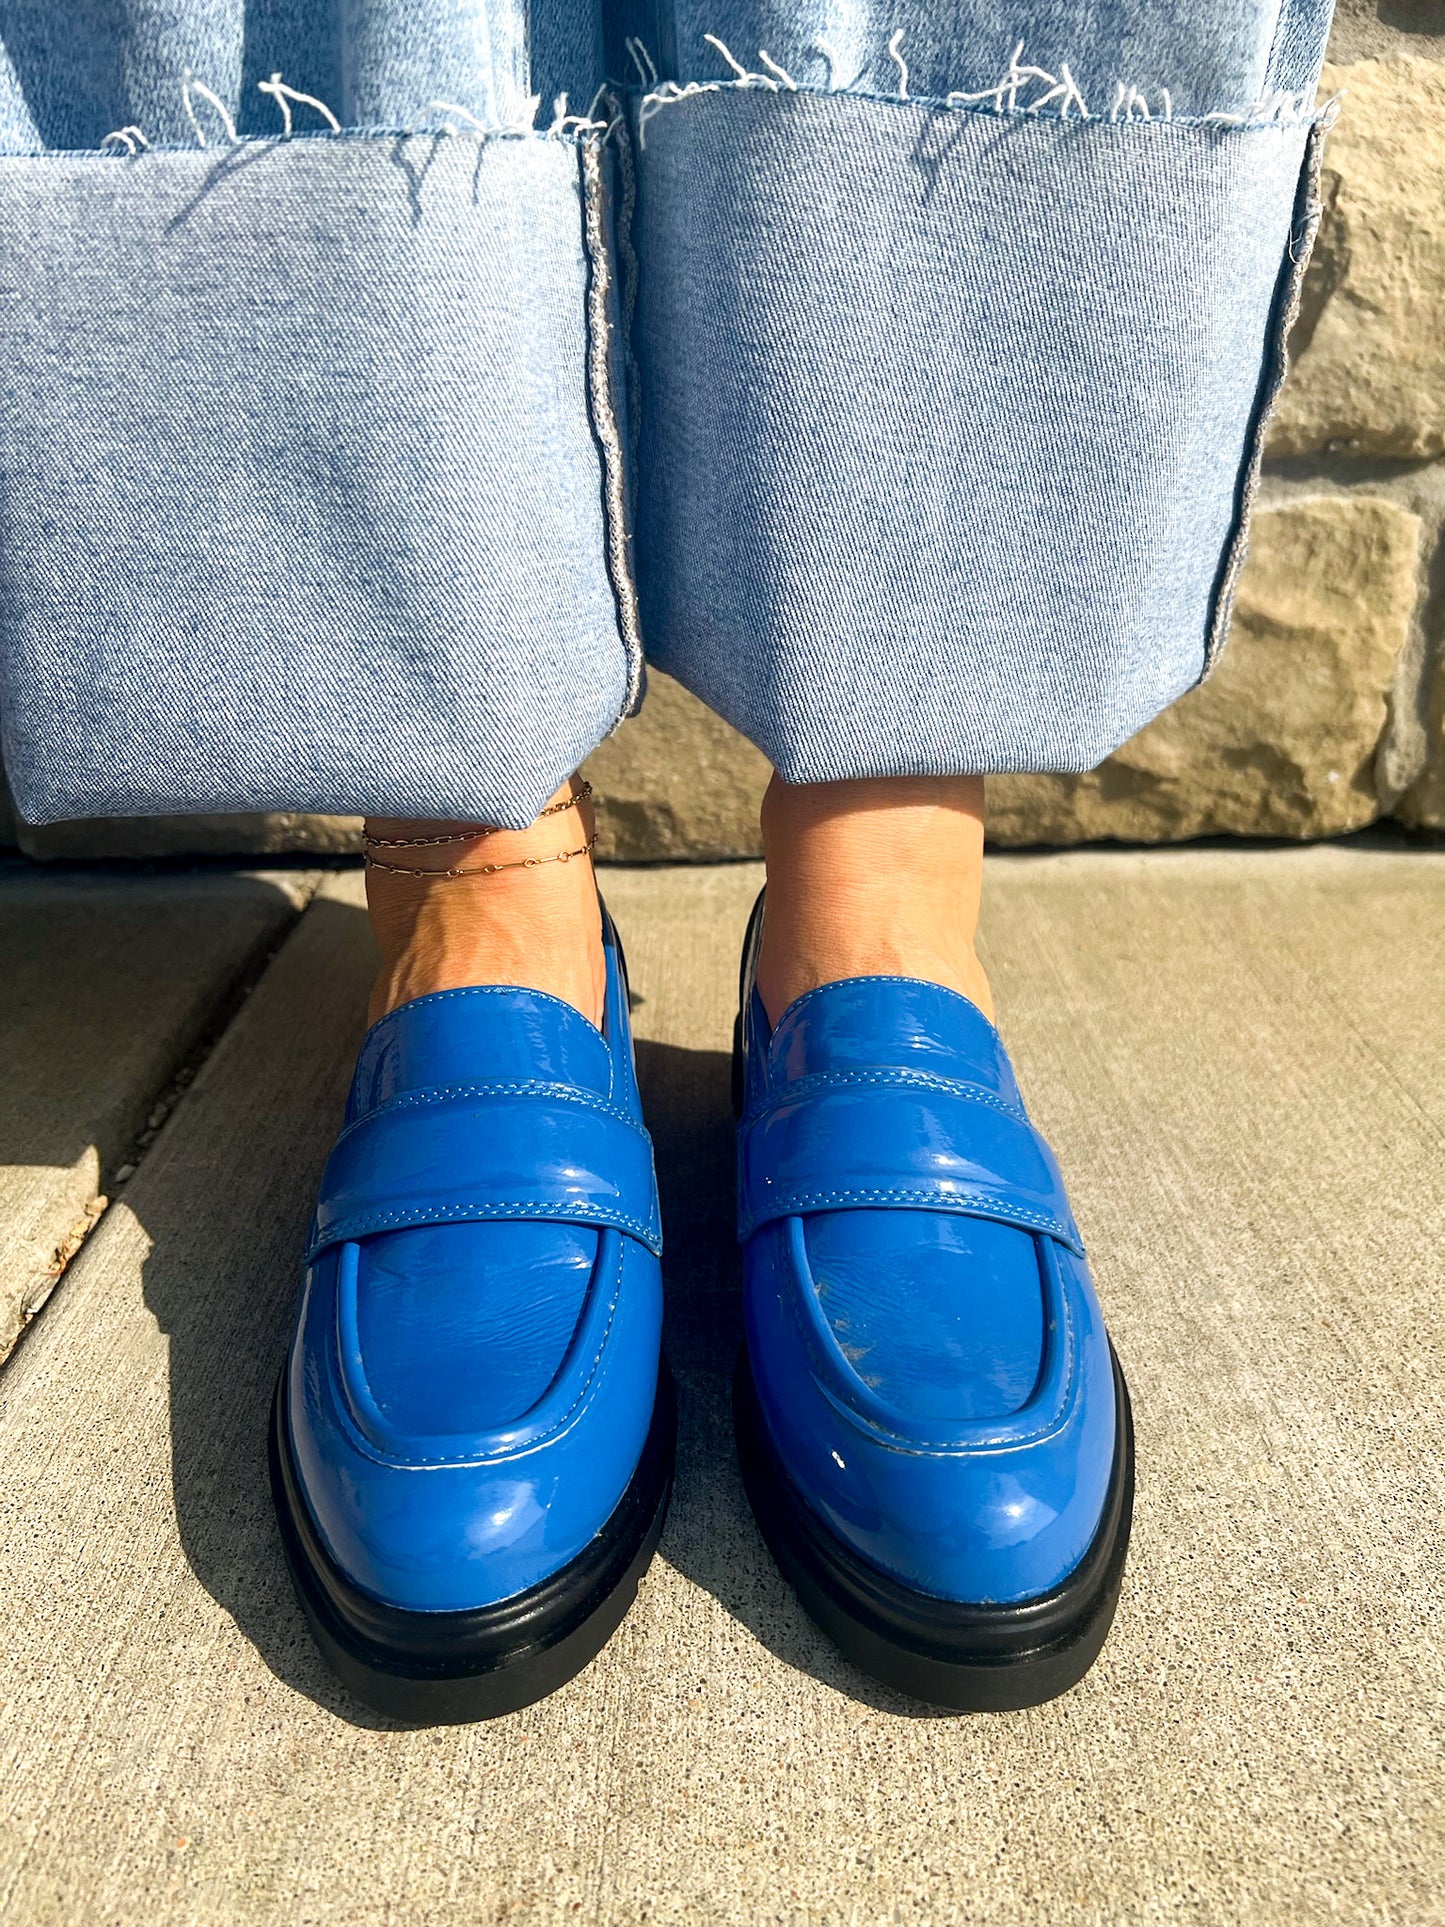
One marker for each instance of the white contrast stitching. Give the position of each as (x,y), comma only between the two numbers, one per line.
(538,1088)
(903,1080)
(364,1224)
(788,1203)
(372,1451)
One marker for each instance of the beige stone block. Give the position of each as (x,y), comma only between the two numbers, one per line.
(1368,349)
(277,834)
(1281,739)
(1381,29)
(676,781)
(1423,804)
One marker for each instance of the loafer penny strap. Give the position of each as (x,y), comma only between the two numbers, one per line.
(539,1151)
(872,1141)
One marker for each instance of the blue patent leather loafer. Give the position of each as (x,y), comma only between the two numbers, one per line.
(933,1429)
(472,1439)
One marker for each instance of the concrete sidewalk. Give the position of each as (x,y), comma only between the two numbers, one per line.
(1240,1058)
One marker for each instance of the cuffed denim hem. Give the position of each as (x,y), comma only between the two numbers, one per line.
(312,490)
(951,415)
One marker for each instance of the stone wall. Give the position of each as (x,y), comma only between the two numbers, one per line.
(1327,712)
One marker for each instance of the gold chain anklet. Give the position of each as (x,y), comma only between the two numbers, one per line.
(483,869)
(579,795)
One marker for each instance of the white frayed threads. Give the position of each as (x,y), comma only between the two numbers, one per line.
(605,112)
(602,404)
(1060,89)
(564,122)
(642,60)
(1284,107)
(1131,104)
(780,73)
(190,86)
(1022,88)
(671,90)
(128,139)
(1273,111)
(1019,90)
(1004,94)
(283,97)
(1066,93)
(830,54)
(664,96)
(747,79)
(462,113)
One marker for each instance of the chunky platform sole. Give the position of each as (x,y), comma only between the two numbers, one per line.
(444,1668)
(972,1659)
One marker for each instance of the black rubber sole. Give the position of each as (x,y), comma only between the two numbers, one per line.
(971,1659)
(444,1668)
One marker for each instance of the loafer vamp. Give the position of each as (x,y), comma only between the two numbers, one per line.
(476,1362)
(929,1358)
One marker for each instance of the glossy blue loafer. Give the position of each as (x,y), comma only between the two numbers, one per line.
(472,1439)
(933,1429)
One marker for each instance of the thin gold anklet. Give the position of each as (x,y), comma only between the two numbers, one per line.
(579,795)
(483,869)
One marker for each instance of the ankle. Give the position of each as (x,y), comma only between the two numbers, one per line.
(536,925)
(879,877)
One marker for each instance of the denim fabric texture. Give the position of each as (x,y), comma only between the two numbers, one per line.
(288,542)
(71,73)
(976,521)
(319,487)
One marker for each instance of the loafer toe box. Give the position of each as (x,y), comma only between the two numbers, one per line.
(457,1520)
(980,1511)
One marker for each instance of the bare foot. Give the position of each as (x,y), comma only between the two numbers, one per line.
(880,877)
(539,927)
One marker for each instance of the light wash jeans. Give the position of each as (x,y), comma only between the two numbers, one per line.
(379,379)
